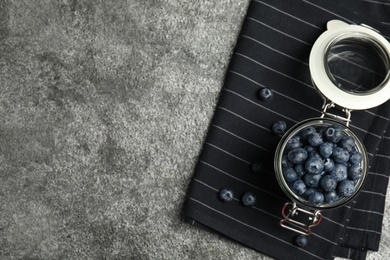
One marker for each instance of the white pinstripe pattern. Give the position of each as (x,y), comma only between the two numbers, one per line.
(270,110)
(298,19)
(376,2)
(232,155)
(243,139)
(378,174)
(247,183)
(254,228)
(369,211)
(365,230)
(328,11)
(243,118)
(288,35)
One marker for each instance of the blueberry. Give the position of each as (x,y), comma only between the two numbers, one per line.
(279,127)
(328,183)
(328,164)
(312,181)
(339,172)
(290,175)
(299,187)
(249,199)
(297,156)
(226,195)
(265,94)
(286,163)
(315,139)
(300,170)
(300,240)
(346,188)
(293,143)
(316,198)
(340,155)
(314,165)
(356,157)
(333,134)
(355,172)
(348,143)
(306,132)
(331,196)
(314,153)
(309,148)
(326,149)
(309,191)
(256,167)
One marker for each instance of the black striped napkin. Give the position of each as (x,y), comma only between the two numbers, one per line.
(272,51)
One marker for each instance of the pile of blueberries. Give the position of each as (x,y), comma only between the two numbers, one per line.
(321,164)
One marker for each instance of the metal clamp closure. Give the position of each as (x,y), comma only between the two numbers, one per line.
(347,112)
(314,218)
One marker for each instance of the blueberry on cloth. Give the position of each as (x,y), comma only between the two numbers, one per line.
(298,187)
(339,172)
(333,134)
(314,165)
(328,183)
(328,164)
(286,163)
(355,172)
(356,157)
(226,195)
(326,149)
(290,174)
(249,199)
(316,198)
(348,143)
(256,167)
(293,143)
(279,127)
(331,196)
(300,240)
(340,155)
(297,156)
(312,181)
(346,188)
(265,94)
(306,132)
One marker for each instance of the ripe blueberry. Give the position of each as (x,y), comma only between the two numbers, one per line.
(279,127)
(331,196)
(306,132)
(328,164)
(226,195)
(297,156)
(326,149)
(340,155)
(300,170)
(346,188)
(299,187)
(315,139)
(265,94)
(290,174)
(293,143)
(339,172)
(312,181)
(355,172)
(316,198)
(333,134)
(249,199)
(300,241)
(328,183)
(314,165)
(348,143)
(356,157)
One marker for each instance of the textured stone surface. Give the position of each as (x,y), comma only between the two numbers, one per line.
(104,106)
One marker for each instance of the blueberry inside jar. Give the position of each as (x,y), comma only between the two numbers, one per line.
(321,163)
